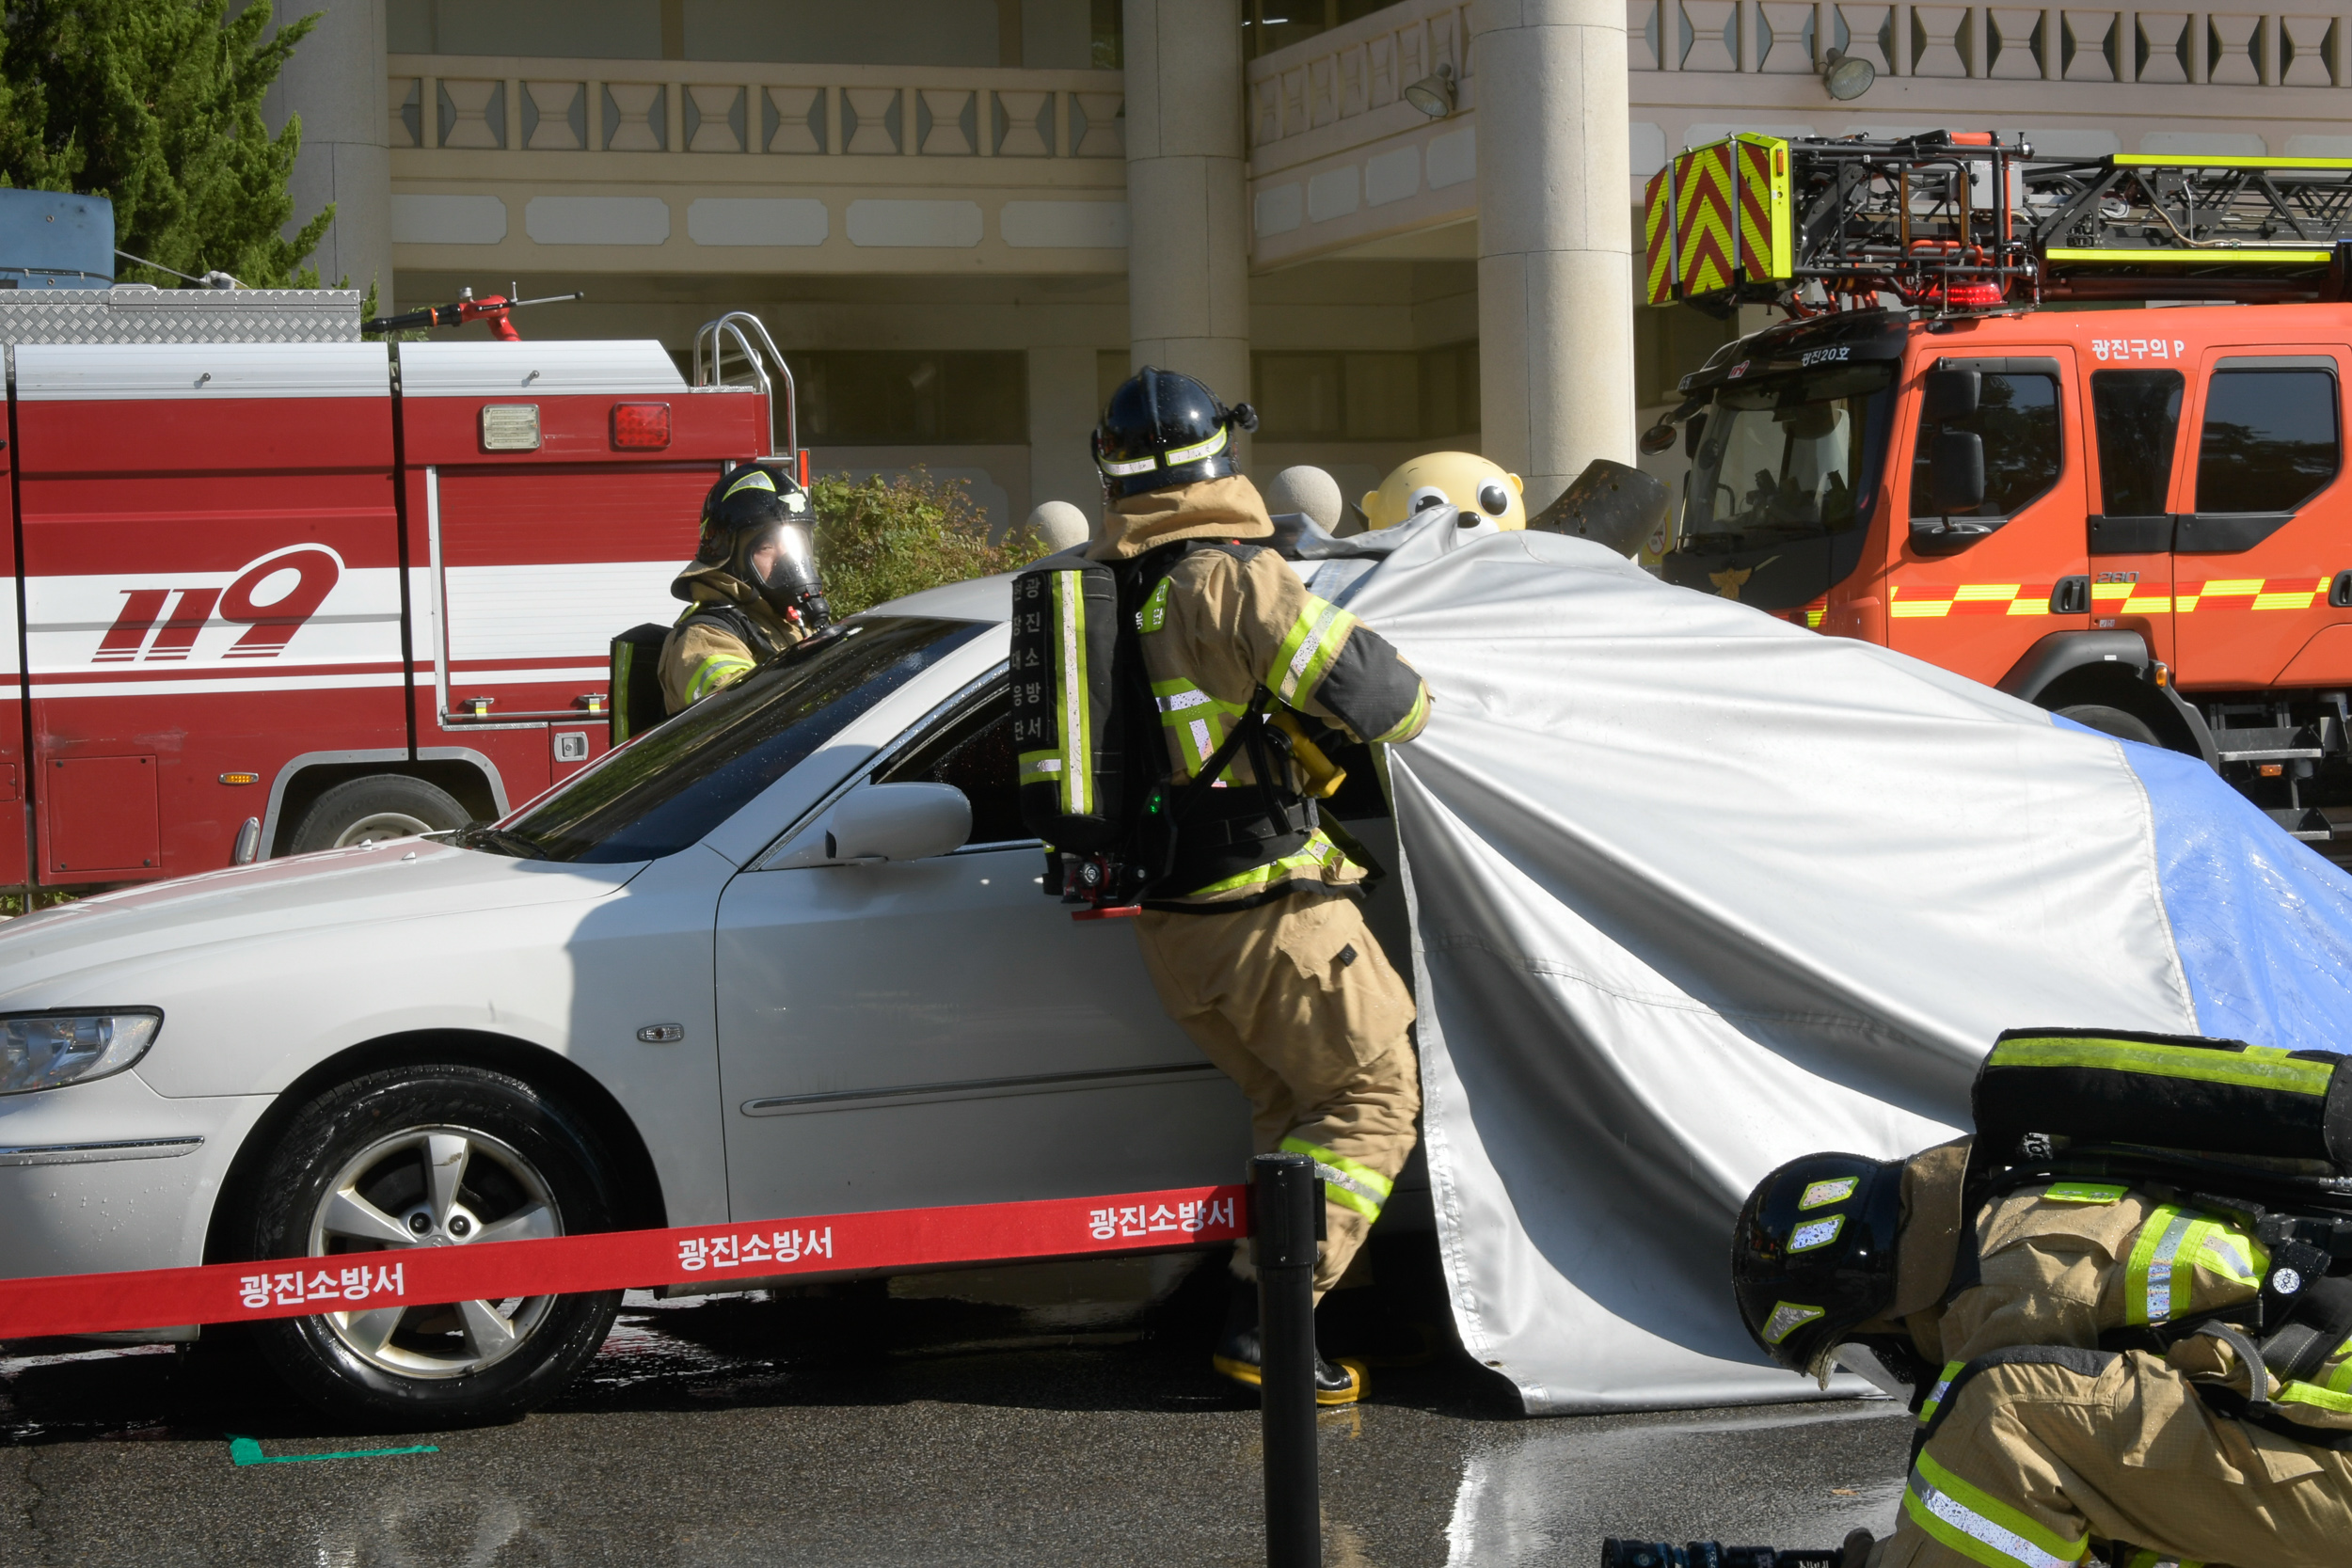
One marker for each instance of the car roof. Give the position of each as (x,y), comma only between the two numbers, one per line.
(980,599)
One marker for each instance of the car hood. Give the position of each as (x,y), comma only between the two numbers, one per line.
(52,958)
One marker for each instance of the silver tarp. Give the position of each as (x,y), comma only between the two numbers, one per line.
(1693,892)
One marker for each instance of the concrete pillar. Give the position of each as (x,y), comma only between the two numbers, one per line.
(1555,238)
(1062,417)
(1188,247)
(336,80)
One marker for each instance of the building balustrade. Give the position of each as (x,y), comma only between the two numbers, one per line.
(2251,49)
(568,106)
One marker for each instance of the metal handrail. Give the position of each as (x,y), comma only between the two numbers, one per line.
(713,373)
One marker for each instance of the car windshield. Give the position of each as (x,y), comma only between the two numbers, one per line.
(1788,459)
(671,786)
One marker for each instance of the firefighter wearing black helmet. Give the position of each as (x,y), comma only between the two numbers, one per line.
(1255,942)
(2068,1400)
(753,586)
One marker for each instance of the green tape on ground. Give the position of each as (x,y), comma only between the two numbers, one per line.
(247,1451)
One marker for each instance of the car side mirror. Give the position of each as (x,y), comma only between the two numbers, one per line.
(1956,471)
(898,822)
(1948,395)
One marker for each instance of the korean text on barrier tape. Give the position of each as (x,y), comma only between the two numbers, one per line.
(712,1255)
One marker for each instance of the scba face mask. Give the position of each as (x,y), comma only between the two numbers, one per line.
(764,541)
(790,582)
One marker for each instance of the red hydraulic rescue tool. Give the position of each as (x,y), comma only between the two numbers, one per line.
(493,309)
(2136,518)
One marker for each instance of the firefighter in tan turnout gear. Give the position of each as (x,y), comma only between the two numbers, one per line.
(2134,1371)
(753,587)
(1255,940)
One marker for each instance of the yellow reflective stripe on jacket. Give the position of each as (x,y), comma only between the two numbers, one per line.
(2148,1296)
(2339,1378)
(1345,1180)
(1982,1527)
(1411,724)
(2218,1249)
(714,672)
(2315,1395)
(1199,720)
(1316,853)
(1305,654)
(1934,1400)
(2158,1278)
(2249,1069)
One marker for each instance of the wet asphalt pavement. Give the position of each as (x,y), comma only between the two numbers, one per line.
(863,1429)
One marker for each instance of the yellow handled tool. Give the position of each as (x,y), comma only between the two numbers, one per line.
(1324,777)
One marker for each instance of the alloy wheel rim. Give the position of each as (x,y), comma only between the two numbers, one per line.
(378,826)
(423,1187)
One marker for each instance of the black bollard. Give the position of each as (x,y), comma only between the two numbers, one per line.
(1286,1213)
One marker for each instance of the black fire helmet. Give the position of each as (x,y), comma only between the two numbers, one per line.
(1813,1255)
(743,514)
(1162,430)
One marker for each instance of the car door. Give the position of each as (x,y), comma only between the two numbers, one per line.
(1974,602)
(939,1031)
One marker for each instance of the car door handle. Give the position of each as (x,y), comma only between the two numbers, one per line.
(2340,591)
(2072,596)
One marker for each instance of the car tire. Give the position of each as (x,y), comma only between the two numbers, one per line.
(357,1168)
(2111,720)
(370,810)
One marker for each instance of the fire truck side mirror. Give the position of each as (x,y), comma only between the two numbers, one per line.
(1948,395)
(1956,471)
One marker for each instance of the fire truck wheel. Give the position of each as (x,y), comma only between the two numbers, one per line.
(369,810)
(2110,721)
(407,1159)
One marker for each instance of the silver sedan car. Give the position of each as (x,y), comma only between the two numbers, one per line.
(784,955)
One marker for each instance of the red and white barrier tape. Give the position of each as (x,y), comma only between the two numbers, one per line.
(891,1239)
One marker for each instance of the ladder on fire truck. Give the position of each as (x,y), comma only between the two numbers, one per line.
(1963,222)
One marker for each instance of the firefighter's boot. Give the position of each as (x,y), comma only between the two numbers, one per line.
(1238,1358)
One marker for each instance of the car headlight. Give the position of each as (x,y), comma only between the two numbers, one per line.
(42,1050)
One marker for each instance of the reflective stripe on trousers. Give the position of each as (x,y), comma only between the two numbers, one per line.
(1345,1181)
(1981,1528)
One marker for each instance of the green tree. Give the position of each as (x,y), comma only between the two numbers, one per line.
(157,106)
(879,539)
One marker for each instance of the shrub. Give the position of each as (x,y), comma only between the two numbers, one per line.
(878,539)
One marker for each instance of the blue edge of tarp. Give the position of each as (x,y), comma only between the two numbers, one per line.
(2262,924)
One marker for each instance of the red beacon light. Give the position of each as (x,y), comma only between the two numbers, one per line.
(641,427)
(1973,296)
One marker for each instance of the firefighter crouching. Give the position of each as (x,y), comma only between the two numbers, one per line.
(2130,1366)
(1254,940)
(753,587)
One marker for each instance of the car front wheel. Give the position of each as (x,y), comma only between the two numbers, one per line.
(407,1159)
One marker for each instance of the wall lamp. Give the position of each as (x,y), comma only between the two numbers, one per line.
(1847,76)
(1433,95)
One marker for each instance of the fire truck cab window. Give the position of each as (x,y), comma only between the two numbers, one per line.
(2138,415)
(2271,439)
(1782,460)
(2017,416)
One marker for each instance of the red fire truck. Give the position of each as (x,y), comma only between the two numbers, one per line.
(2135,518)
(280,588)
